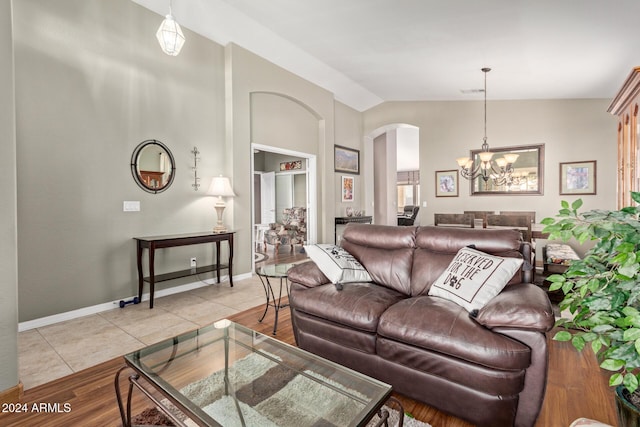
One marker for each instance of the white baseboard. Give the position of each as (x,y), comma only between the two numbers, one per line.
(99,308)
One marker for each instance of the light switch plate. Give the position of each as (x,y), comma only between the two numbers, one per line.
(131,206)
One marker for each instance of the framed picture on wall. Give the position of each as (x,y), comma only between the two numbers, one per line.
(347,188)
(288,166)
(346,159)
(447,183)
(578,177)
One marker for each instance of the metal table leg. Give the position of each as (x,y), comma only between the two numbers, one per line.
(276,303)
(125,414)
(384,414)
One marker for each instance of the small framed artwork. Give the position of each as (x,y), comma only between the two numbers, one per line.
(347,188)
(447,183)
(288,166)
(346,159)
(578,177)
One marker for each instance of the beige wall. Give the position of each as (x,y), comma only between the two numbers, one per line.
(280,121)
(92,83)
(572,130)
(8,230)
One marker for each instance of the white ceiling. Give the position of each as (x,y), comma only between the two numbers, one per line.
(370,51)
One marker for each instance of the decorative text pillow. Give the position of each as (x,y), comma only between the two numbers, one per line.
(337,264)
(473,278)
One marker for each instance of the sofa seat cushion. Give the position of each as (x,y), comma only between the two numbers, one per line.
(358,305)
(436,324)
(453,370)
(344,336)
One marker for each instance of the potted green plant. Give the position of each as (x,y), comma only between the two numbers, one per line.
(602,292)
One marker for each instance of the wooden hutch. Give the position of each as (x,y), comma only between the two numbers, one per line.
(625,106)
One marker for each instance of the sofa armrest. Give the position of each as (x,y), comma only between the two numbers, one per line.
(520,306)
(307,274)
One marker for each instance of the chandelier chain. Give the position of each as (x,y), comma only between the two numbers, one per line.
(485,144)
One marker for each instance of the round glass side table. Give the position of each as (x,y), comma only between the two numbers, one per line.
(274,271)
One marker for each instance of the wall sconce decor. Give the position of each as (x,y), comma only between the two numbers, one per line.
(196,178)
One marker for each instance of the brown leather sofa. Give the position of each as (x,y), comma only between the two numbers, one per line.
(488,367)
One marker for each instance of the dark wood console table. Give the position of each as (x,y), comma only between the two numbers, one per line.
(347,219)
(157,242)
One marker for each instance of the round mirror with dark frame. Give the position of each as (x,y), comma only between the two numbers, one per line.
(153,166)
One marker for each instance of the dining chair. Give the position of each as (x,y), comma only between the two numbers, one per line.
(521,223)
(454,220)
(530,214)
(532,220)
(481,215)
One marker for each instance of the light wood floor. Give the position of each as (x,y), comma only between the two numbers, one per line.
(576,386)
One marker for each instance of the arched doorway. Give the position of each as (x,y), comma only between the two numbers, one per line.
(289,131)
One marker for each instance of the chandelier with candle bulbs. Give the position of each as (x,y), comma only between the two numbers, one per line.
(500,171)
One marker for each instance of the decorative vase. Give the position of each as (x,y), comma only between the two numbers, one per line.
(349,211)
(628,414)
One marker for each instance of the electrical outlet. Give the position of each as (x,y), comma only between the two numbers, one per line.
(193,262)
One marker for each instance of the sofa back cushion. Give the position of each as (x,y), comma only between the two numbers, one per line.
(385,251)
(436,247)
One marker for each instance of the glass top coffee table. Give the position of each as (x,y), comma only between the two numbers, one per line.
(226,374)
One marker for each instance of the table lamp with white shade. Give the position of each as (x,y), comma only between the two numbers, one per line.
(220,187)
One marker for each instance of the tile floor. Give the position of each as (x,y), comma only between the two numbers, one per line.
(57,350)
